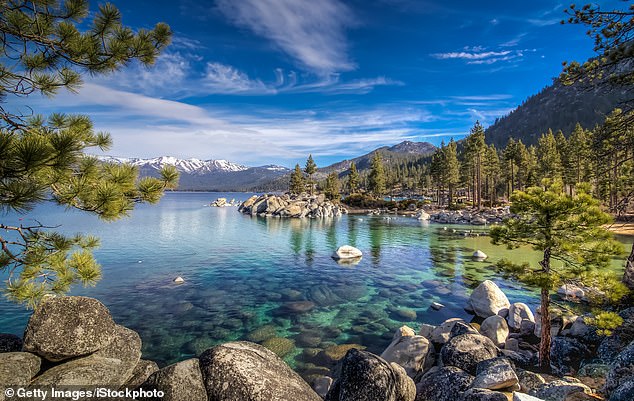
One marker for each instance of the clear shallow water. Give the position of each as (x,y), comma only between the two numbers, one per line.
(253,278)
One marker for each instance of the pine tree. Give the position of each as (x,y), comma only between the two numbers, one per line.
(43,159)
(569,231)
(579,146)
(491,171)
(452,168)
(377,178)
(332,187)
(353,179)
(549,159)
(475,148)
(310,169)
(297,182)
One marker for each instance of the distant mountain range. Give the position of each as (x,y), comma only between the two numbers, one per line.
(223,175)
(206,175)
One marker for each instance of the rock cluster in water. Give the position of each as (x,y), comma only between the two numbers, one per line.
(222,202)
(75,341)
(315,206)
(473,217)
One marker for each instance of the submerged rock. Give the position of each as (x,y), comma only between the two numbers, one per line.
(67,327)
(246,371)
(487,299)
(279,345)
(367,377)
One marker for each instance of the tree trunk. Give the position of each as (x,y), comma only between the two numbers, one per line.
(628,276)
(544,345)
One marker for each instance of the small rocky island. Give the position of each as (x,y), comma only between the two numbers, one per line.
(74,341)
(313,206)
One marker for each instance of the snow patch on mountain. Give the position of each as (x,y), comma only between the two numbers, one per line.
(191,166)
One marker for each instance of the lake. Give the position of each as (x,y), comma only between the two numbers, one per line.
(262,278)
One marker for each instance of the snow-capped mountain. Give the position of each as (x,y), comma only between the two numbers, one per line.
(206,175)
(191,166)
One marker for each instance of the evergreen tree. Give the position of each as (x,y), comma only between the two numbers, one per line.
(451,168)
(613,35)
(332,187)
(549,159)
(43,159)
(475,147)
(568,230)
(567,170)
(579,147)
(491,171)
(297,182)
(310,169)
(377,178)
(353,179)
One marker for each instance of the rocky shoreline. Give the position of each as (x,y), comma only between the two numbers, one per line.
(73,341)
(311,206)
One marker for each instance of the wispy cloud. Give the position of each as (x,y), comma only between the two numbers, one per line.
(311,32)
(149,126)
(481,55)
(221,78)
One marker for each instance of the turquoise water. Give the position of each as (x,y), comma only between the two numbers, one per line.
(255,278)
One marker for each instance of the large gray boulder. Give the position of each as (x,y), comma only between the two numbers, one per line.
(566,355)
(517,313)
(443,384)
(495,374)
(10,343)
(481,394)
(245,371)
(487,299)
(442,333)
(408,350)
(125,347)
(88,371)
(141,372)
(467,350)
(112,365)
(621,369)
(181,381)
(496,328)
(624,392)
(67,327)
(368,377)
(18,368)
(559,390)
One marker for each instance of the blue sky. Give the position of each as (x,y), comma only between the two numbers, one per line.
(270,81)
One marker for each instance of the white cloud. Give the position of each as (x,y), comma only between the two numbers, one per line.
(145,126)
(221,78)
(470,55)
(480,55)
(311,32)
